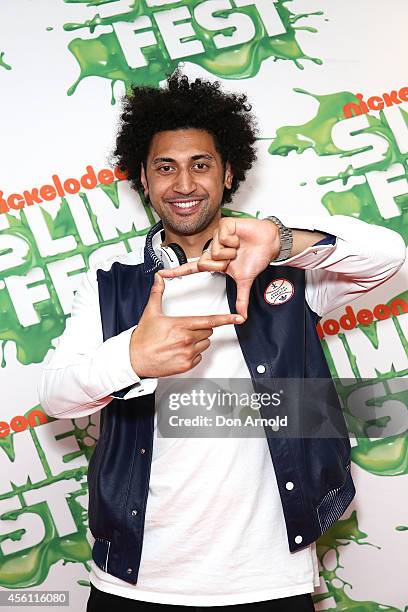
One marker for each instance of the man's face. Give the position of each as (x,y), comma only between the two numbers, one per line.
(185,179)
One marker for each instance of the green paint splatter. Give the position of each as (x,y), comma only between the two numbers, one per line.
(358,201)
(343,533)
(385,456)
(238,214)
(3,63)
(3,359)
(316,133)
(103,56)
(49,28)
(30,567)
(34,342)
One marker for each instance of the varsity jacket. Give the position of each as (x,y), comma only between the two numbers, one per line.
(90,370)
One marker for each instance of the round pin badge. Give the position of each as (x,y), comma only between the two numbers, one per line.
(279,291)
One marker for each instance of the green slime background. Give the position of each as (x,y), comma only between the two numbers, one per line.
(34,342)
(30,567)
(358,201)
(103,57)
(3,64)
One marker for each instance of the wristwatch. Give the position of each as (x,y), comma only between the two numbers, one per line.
(286,239)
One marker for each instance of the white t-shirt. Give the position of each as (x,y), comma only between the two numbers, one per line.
(214,528)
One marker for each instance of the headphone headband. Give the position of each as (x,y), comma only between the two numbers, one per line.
(173,255)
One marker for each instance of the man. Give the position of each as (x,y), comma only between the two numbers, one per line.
(204,522)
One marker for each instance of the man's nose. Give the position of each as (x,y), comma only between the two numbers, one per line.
(184,182)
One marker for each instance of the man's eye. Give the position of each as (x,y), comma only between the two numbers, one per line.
(165,168)
(201,165)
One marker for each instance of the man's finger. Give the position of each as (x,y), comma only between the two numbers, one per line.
(210,265)
(229,240)
(201,346)
(220,251)
(243,290)
(224,253)
(200,334)
(227,227)
(211,321)
(156,294)
(183,270)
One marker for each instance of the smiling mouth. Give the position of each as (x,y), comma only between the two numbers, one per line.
(186,204)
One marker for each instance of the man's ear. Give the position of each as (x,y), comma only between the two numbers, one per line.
(228,176)
(143,180)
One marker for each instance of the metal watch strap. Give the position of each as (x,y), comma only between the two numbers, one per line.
(286,239)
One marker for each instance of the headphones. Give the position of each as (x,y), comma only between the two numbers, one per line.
(172,255)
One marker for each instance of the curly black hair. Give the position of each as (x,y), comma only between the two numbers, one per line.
(183,104)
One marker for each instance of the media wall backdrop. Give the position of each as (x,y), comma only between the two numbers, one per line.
(329,83)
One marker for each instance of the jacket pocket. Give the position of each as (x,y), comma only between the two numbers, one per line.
(100,553)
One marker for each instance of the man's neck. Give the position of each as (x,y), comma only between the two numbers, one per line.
(193,244)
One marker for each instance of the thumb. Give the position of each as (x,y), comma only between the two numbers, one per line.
(243,290)
(154,305)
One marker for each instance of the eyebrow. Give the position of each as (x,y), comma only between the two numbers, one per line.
(159,160)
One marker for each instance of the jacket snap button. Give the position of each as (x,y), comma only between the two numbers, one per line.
(290,486)
(298,539)
(134,512)
(129,570)
(142,451)
(260,369)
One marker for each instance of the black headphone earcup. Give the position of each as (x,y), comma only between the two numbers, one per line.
(176,248)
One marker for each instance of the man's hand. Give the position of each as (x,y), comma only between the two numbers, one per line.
(241,248)
(163,346)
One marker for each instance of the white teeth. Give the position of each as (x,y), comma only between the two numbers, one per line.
(186,204)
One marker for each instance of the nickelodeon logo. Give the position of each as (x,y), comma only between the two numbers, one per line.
(350,319)
(375,103)
(70,186)
(21,423)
